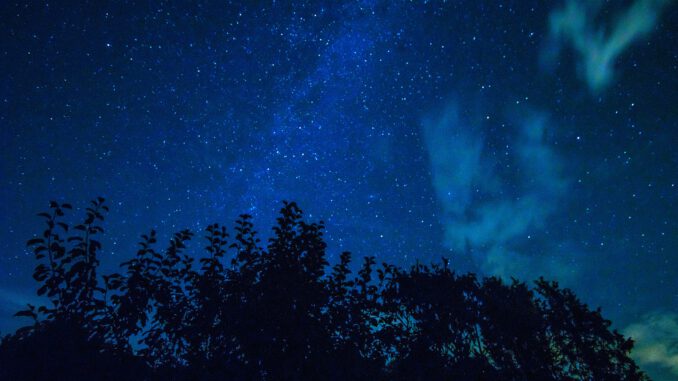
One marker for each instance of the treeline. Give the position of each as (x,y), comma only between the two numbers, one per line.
(279,311)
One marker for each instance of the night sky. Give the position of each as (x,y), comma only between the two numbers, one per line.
(518,138)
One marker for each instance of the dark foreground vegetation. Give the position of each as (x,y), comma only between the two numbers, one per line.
(249,311)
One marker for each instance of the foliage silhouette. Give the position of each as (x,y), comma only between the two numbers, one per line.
(280,312)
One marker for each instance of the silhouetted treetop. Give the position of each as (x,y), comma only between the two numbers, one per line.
(249,310)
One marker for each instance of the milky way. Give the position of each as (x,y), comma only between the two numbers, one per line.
(520,138)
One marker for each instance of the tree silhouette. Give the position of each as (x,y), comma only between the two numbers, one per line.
(246,311)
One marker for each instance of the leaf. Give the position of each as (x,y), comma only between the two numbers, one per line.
(34,241)
(40,272)
(43,289)
(43,309)
(26,313)
(78,267)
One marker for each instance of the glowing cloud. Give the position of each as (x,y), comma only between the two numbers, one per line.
(482,209)
(656,340)
(598,47)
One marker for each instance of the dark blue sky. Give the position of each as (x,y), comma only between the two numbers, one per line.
(519,138)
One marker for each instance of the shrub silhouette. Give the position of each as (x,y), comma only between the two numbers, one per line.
(246,311)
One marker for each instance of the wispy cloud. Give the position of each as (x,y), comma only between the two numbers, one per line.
(599,46)
(656,339)
(11,300)
(483,209)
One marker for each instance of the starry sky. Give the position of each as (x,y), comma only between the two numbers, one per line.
(518,138)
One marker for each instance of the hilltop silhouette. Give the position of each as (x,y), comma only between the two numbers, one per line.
(279,311)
